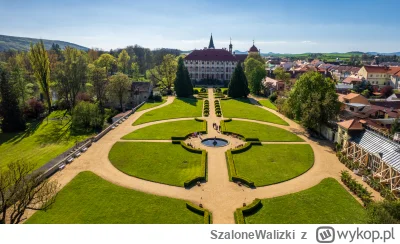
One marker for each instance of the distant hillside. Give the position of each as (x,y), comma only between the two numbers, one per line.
(23,43)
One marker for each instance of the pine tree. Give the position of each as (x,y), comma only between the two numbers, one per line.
(12,117)
(238,86)
(181,84)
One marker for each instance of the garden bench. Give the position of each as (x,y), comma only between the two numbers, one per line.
(61,167)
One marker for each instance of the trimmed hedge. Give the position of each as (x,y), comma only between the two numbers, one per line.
(243,180)
(256,143)
(190,149)
(178,138)
(252,139)
(176,142)
(201,211)
(247,210)
(231,165)
(246,147)
(203,167)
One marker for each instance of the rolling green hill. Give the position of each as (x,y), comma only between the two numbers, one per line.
(23,43)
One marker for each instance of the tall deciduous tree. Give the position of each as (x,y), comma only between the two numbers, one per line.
(313,100)
(106,61)
(12,117)
(20,190)
(238,86)
(164,74)
(123,62)
(17,77)
(71,74)
(255,72)
(119,88)
(41,69)
(98,79)
(135,71)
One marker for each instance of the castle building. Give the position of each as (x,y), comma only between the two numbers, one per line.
(213,63)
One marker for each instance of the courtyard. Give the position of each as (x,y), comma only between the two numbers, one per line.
(149,168)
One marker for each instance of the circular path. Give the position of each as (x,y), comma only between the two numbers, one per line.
(218,194)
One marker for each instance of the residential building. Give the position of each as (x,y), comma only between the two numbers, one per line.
(139,92)
(272,85)
(376,75)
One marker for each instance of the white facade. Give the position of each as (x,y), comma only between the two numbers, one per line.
(221,70)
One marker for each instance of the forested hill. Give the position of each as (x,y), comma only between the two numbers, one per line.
(23,43)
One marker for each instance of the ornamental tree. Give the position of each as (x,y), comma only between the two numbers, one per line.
(238,86)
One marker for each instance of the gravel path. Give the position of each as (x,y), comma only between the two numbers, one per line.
(218,194)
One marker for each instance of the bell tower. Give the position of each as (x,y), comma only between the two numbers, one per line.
(230,45)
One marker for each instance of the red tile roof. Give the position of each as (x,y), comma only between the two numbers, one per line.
(211,55)
(351,80)
(376,69)
(394,71)
(352,124)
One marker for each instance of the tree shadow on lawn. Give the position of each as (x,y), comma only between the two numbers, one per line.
(16,137)
(189,100)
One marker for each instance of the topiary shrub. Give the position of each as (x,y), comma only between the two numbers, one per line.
(195,91)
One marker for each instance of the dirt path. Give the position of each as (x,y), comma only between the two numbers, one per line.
(218,194)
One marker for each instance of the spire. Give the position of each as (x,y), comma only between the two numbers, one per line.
(211,45)
(230,45)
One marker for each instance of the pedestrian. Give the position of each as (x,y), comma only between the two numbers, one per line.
(219,128)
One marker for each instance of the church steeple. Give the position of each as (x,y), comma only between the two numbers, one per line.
(230,45)
(211,45)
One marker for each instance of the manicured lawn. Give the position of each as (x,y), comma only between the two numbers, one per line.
(41,142)
(273,163)
(151,104)
(88,199)
(260,131)
(326,203)
(180,108)
(242,108)
(164,131)
(165,163)
(267,103)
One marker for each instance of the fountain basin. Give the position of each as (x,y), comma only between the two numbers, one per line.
(214,142)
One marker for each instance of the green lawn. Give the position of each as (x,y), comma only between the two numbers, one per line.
(267,103)
(151,104)
(165,163)
(88,199)
(180,108)
(260,131)
(326,203)
(273,163)
(164,131)
(41,142)
(242,108)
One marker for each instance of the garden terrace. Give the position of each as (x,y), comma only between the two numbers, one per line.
(273,163)
(243,108)
(165,163)
(326,203)
(262,132)
(164,131)
(180,108)
(88,199)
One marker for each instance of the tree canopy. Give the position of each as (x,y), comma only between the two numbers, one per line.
(255,73)
(313,100)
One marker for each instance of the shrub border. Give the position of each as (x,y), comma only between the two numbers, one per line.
(247,210)
(204,165)
(201,211)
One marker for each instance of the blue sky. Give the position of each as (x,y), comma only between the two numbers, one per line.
(283,26)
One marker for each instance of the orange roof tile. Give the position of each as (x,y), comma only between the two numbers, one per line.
(351,124)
